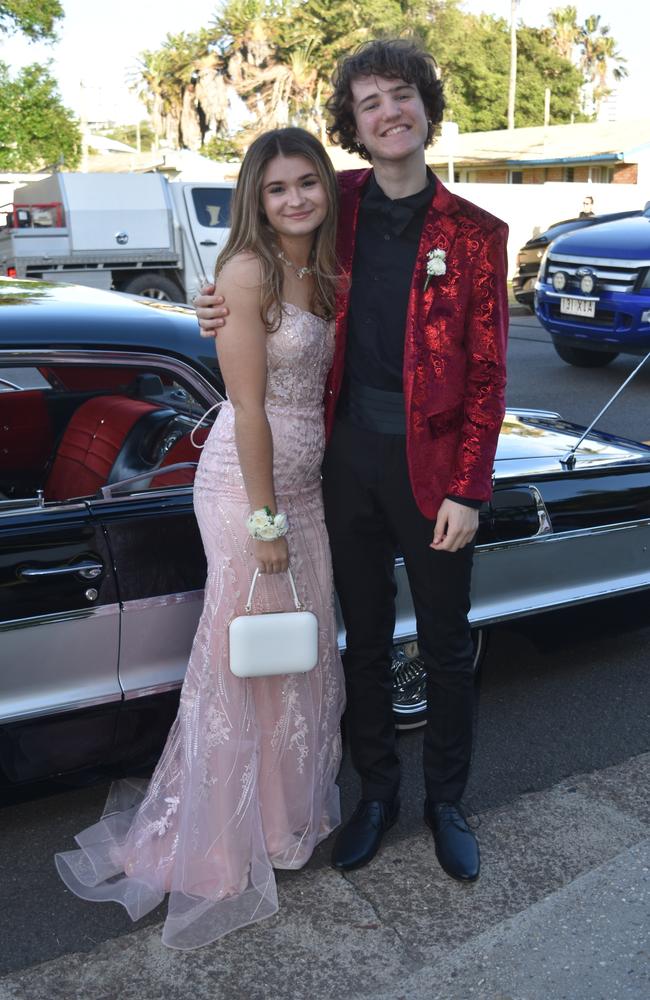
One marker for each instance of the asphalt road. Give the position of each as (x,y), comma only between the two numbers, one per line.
(565,695)
(537,377)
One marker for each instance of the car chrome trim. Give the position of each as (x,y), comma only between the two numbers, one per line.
(33,503)
(164,601)
(559,536)
(508,469)
(107,491)
(153,689)
(129,358)
(517,411)
(71,706)
(87,569)
(597,562)
(545,524)
(573,295)
(34,507)
(61,616)
(562,258)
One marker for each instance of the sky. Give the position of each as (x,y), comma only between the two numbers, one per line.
(99,45)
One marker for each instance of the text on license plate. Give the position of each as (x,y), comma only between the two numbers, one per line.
(578,307)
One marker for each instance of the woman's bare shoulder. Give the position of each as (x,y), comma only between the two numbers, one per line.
(243,272)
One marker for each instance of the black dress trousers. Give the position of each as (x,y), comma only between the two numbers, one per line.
(371,514)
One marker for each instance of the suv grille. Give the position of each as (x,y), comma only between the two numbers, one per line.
(620,276)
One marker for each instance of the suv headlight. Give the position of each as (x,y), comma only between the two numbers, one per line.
(646,280)
(587,280)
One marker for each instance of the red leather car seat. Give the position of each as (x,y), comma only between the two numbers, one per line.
(90,445)
(182,451)
(26,436)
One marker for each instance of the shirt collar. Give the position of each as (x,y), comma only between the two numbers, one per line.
(397,212)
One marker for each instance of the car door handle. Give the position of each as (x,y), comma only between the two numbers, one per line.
(87,569)
(208,243)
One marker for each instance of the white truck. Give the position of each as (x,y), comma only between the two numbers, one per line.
(137,233)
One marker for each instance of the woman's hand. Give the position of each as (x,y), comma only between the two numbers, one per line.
(272,557)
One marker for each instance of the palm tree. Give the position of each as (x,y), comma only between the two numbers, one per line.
(565,31)
(165,81)
(599,58)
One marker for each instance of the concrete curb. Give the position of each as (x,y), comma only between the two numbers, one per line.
(564,889)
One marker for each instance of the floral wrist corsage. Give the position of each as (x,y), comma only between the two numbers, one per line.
(436,265)
(265,526)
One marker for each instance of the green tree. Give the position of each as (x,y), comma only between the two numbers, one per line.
(279,55)
(35,18)
(600,60)
(129,135)
(474,56)
(565,31)
(36,130)
(166,80)
(540,66)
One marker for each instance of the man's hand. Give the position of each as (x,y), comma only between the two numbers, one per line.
(456,525)
(211,311)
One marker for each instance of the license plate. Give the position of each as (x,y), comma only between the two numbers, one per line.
(578,307)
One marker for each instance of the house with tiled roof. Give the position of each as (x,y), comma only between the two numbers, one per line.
(589,152)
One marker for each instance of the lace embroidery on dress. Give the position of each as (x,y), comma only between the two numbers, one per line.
(246,781)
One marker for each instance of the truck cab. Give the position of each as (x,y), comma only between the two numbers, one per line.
(136,233)
(593,292)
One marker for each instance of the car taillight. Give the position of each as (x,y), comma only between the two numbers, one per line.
(11,272)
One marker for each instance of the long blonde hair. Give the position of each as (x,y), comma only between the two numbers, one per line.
(250,230)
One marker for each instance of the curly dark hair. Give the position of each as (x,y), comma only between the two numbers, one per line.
(394,59)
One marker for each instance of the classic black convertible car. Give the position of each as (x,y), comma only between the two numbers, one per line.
(101,563)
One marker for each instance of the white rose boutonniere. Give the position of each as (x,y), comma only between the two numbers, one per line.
(436,265)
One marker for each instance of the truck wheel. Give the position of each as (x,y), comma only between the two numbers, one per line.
(410,684)
(154,286)
(583,358)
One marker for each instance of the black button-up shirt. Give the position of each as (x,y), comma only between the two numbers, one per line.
(388,235)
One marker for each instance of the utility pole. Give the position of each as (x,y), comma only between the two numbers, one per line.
(512,89)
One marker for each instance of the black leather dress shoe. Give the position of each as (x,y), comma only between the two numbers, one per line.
(360,838)
(456,846)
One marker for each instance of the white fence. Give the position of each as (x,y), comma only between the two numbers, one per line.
(529,209)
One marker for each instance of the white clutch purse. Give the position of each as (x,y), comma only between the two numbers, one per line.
(276,642)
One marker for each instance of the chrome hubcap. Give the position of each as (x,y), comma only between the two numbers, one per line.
(410,682)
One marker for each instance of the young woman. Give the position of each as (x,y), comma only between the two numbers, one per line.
(246,782)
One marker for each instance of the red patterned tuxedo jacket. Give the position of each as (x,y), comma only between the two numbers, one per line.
(454,348)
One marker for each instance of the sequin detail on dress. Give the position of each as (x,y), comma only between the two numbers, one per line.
(246,782)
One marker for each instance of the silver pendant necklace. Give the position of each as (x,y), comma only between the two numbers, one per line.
(300,272)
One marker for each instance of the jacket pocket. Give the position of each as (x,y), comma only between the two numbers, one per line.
(446,421)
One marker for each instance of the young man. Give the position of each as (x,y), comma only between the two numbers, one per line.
(413,408)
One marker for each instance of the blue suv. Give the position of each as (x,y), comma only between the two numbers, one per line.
(593,292)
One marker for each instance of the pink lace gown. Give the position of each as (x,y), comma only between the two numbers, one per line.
(246,782)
